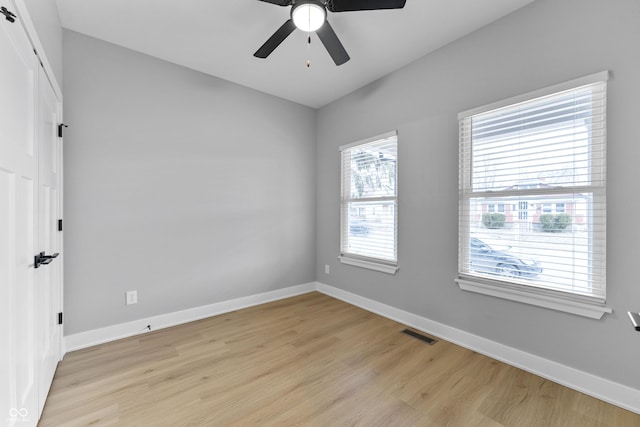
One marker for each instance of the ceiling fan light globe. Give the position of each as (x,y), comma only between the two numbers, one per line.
(308,16)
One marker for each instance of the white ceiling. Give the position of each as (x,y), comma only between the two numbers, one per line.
(219,37)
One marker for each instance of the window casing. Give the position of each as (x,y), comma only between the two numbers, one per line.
(369,203)
(534,152)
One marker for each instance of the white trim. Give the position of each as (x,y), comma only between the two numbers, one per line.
(584,382)
(371,265)
(551,301)
(372,199)
(588,298)
(601,76)
(137,327)
(30,29)
(357,258)
(368,140)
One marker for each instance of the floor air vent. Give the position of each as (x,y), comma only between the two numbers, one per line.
(421,337)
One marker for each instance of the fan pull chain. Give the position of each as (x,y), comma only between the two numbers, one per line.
(308,48)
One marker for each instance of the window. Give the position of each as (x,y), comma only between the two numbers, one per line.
(369,202)
(523,210)
(534,152)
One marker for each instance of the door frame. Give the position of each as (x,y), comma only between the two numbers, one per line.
(25,20)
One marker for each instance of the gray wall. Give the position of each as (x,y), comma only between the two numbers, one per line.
(45,18)
(548,42)
(187,188)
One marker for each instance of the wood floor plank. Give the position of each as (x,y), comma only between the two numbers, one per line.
(308,360)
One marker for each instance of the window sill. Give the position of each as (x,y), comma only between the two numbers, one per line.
(544,299)
(371,265)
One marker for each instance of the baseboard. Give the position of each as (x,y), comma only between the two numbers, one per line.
(136,327)
(600,388)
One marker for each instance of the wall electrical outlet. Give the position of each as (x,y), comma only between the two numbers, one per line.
(131,297)
(327,269)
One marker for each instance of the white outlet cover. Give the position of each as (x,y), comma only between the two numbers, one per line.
(131,297)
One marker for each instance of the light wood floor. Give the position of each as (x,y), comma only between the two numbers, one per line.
(308,360)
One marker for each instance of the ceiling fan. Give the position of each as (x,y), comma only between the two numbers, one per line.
(311,16)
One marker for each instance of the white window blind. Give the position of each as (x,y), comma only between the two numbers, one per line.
(542,157)
(369,203)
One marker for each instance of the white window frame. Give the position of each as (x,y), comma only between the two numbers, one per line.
(382,265)
(552,299)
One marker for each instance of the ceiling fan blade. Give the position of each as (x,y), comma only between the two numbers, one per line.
(353,5)
(275,40)
(279,2)
(330,41)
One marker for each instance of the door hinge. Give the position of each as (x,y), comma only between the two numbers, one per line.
(60,126)
(59,225)
(8,14)
(60,318)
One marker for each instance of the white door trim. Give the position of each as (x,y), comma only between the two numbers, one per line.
(26,22)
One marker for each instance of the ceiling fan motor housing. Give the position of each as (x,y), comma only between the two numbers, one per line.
(309,15)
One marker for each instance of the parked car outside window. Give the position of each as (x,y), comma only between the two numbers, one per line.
(485,259)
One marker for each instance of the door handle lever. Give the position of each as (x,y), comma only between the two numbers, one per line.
(42,259)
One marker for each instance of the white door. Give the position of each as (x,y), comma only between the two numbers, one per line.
(24,340)
(48,276)
(18,225)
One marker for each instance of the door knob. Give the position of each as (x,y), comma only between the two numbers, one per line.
(42,259)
